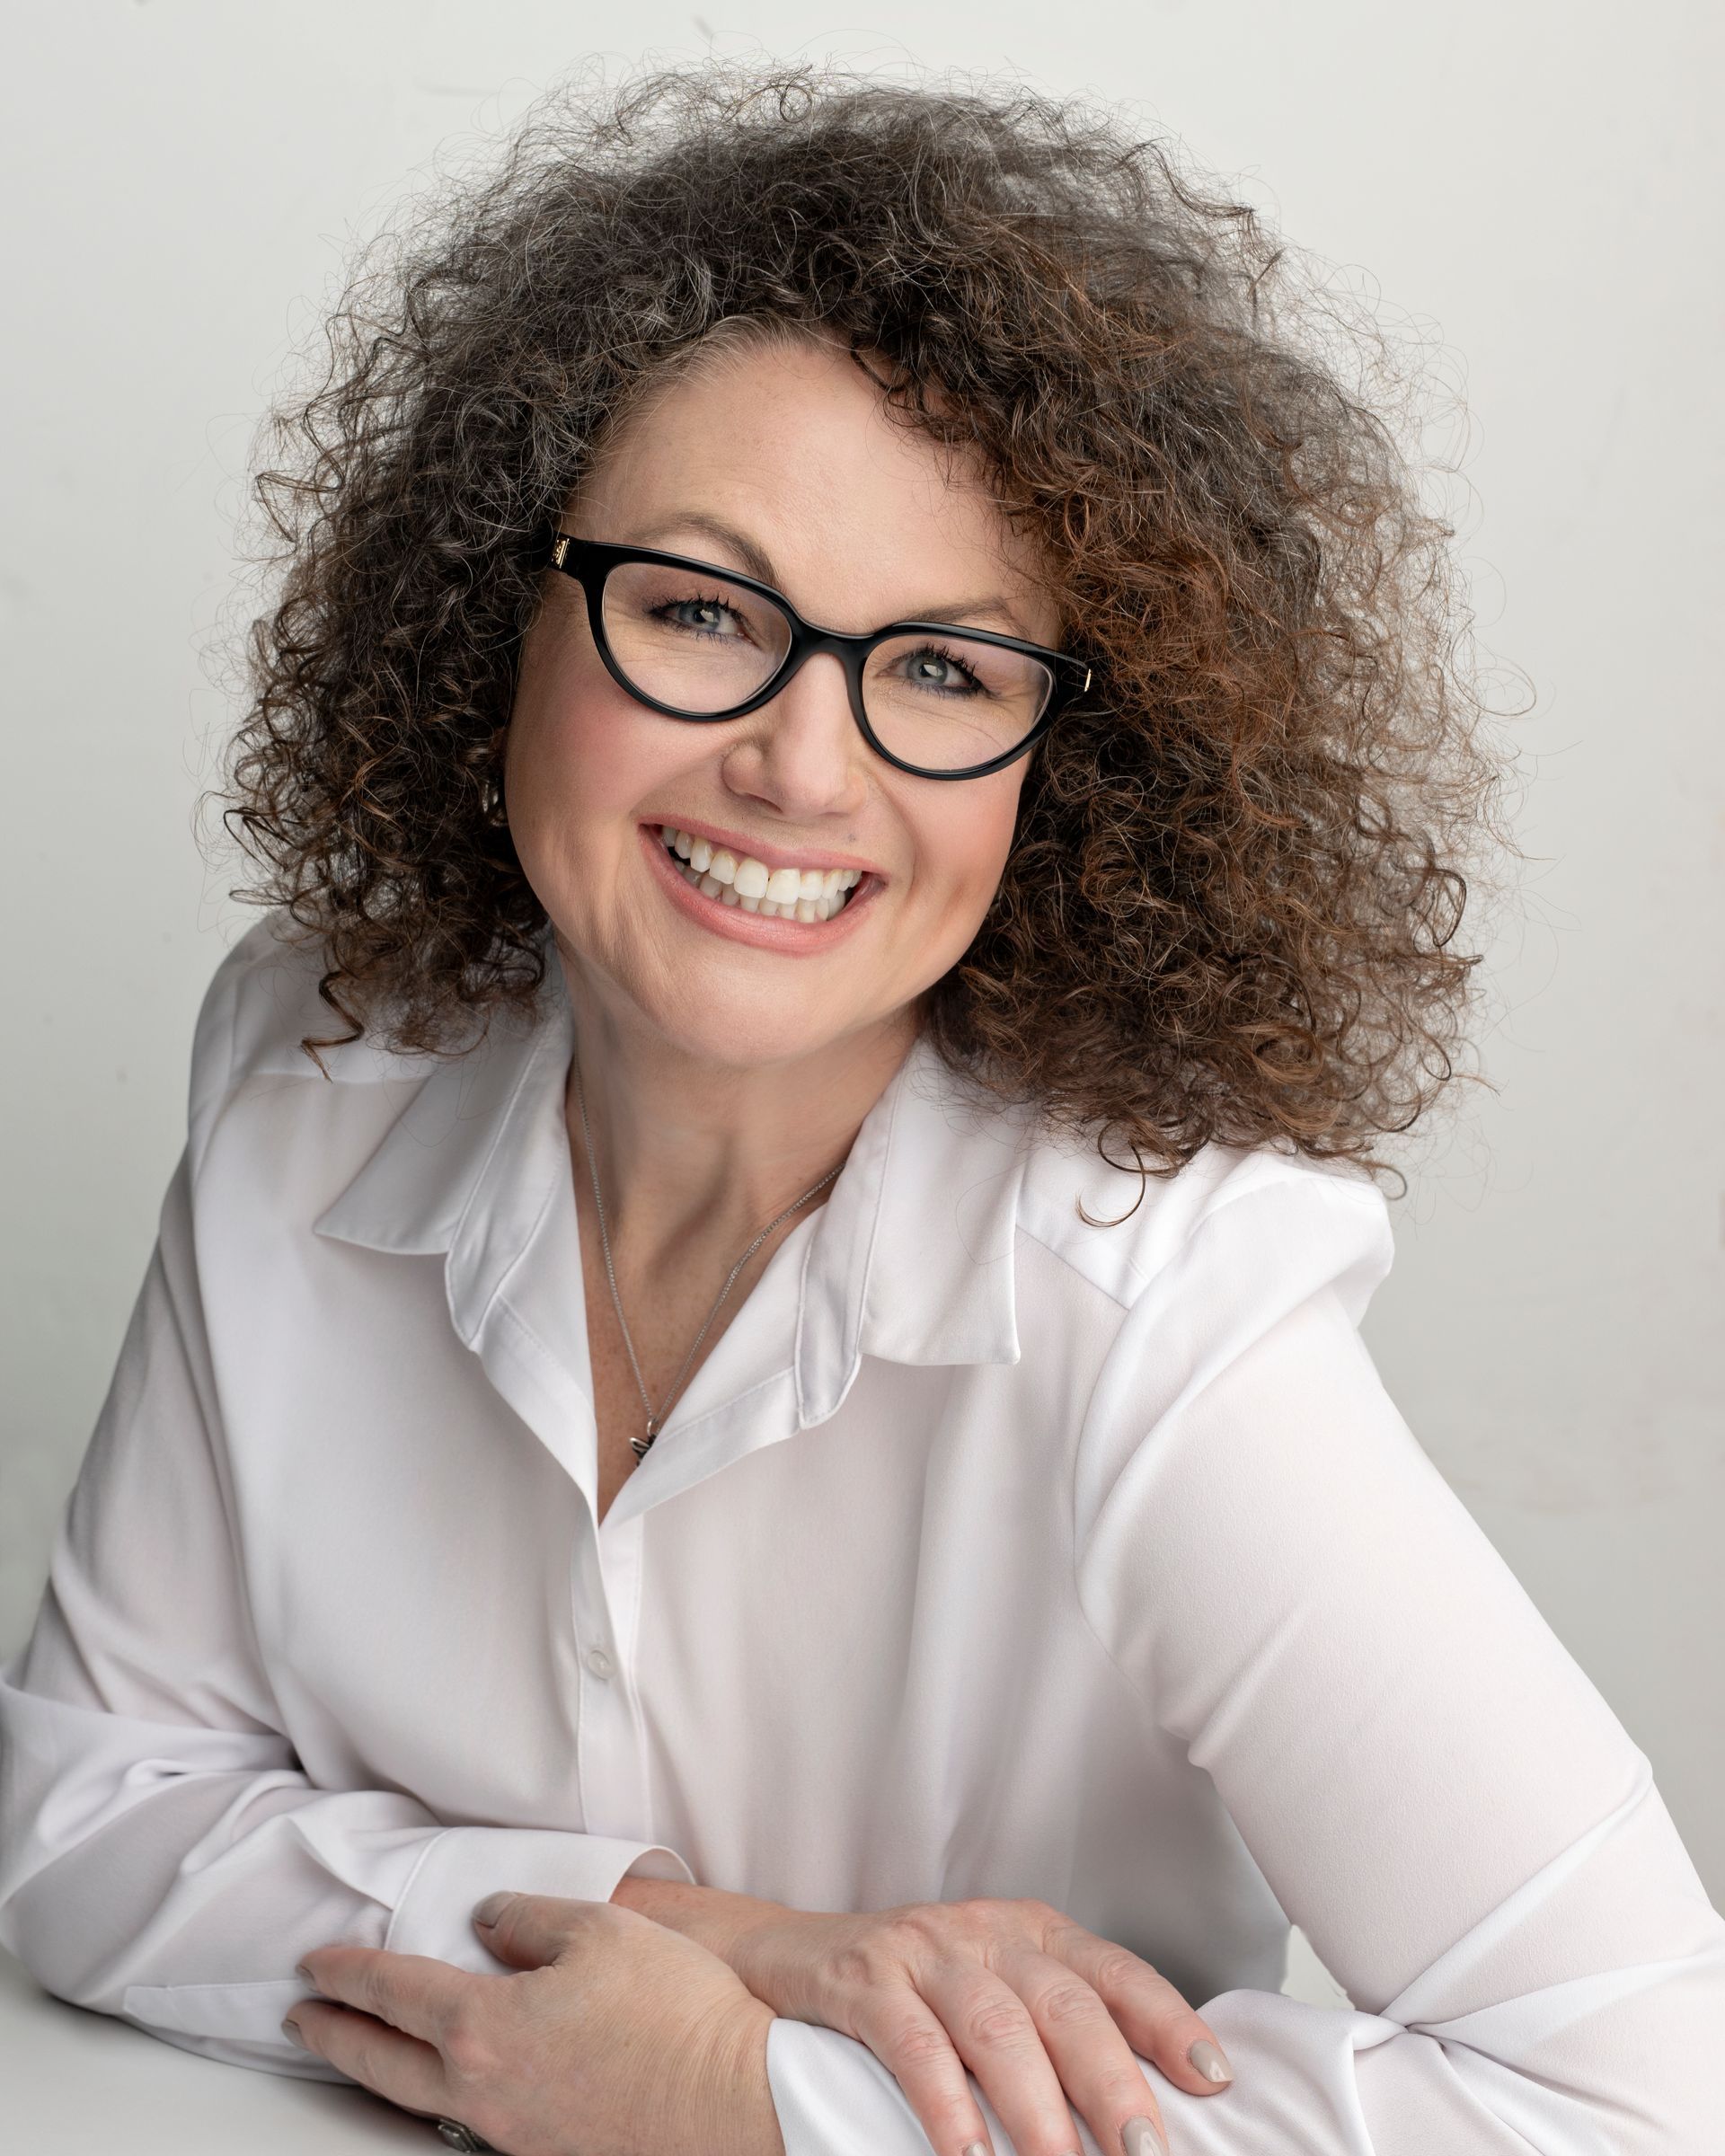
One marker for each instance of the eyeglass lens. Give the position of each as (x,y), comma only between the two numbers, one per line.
(942,700)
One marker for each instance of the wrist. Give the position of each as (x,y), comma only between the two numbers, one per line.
(740,2118)
(714,1918)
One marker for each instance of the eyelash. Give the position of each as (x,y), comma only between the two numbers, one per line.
(668,606)
(952,659)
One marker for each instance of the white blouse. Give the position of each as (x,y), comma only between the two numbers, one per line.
(989,1553)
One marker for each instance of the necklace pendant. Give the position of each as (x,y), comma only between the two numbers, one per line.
(638,1445)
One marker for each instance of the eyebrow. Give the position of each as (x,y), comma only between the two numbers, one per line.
(758,564)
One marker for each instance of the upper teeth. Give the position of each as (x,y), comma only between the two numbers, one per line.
(794,894)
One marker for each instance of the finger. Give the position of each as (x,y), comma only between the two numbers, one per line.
(412,1991)
(528,1931)
(991,2029)
(1104,2082)
(400,2068)
(1155,2019)
(909,2041)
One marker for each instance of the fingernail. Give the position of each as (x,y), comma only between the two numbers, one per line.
(1142,2138)
(1211,2060)
(975,2148)
(304,1974)
(290,2029)
(487,1912)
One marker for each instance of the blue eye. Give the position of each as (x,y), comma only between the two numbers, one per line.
(941,671)
(700,616)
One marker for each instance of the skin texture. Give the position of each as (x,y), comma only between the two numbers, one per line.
(618,2037)
(1042,2011)
(722,1078)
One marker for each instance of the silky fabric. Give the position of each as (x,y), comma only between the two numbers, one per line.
(1028,1531)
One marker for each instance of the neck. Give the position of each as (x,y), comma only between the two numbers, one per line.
(696,1156)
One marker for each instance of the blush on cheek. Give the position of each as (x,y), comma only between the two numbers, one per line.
(614,749)
(594,755)
(971,841)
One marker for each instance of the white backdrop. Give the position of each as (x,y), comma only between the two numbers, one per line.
(1531,186)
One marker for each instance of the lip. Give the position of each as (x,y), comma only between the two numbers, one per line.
(767,932)
(772,857)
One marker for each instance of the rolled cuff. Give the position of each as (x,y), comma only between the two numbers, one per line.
(462,1864)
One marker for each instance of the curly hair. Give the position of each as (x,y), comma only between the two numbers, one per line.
(1229,904)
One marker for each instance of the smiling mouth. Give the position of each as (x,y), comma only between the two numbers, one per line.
(807,894)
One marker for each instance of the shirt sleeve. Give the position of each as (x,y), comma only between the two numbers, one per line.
(164,1856)
(1433,1789)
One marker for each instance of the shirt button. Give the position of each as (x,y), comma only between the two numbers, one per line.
(599,1662)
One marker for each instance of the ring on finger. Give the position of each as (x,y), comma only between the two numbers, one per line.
(462,2137)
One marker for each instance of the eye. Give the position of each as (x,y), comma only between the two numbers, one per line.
(708,616)
(939,670)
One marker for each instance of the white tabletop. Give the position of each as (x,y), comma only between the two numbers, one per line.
(74,2083)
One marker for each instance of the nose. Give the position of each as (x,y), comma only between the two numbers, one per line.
(803,754)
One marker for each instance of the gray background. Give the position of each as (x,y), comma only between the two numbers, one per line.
(1527,192)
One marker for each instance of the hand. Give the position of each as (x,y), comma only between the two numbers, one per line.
(617,2037)
(1041,2012)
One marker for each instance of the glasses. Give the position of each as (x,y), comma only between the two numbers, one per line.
(703,643)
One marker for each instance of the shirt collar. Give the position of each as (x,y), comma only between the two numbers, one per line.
(910,1258)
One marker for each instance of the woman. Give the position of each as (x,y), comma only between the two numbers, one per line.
(747,1512)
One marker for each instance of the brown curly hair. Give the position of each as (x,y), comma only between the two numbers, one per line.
(1228,907)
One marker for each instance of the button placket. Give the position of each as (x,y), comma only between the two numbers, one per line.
(613,1797)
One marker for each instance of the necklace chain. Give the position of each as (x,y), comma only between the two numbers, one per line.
(656,1420)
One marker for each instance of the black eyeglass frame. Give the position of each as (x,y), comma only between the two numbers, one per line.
(591,561)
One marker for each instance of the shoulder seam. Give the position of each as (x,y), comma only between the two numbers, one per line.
(1356,1190)
(207,1096)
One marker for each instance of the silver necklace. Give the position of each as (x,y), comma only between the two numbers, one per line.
(656,1419)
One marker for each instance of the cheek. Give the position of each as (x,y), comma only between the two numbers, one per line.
(962,843)
(581,752)
(961,848)
(613,752)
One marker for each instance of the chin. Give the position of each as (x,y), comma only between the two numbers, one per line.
(697,1018)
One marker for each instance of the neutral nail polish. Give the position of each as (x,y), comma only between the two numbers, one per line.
(1209,2061)
(976,2148)
(290,2029)
(1142,2138)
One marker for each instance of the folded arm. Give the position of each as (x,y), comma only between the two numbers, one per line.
(1433,1789)
(163,1854)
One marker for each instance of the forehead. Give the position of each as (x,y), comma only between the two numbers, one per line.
(861,514)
